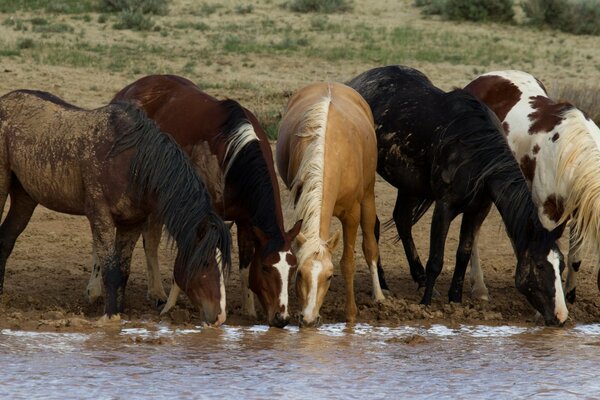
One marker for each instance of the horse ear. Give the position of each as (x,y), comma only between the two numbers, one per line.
(262,237)
(229,225)
(292,233)
(333,241)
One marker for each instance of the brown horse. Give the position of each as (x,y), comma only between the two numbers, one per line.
(327,156)
(114,166)
(250,196)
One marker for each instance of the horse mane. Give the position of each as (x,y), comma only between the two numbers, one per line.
(477,128)
(49,97)
(579,159)
(160,168)
(307,186)
(246,169)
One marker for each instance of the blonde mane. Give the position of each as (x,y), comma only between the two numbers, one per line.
(307,186)
(579,163)
(243,135)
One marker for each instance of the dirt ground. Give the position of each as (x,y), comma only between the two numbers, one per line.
(51,262)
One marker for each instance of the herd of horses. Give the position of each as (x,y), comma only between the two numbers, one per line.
(164,153)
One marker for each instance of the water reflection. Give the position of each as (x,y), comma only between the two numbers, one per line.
(333,361)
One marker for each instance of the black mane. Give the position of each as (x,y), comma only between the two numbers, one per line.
(249,175)
(160,168)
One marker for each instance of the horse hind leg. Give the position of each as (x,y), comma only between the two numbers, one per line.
(368,222)
(246,254)
(380,272)
(19,214)
(347,264)
(93,291)
(403,215)
(479,290)
(151,234)
(573,264)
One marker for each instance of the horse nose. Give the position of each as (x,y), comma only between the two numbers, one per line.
(303,322)
(279,320)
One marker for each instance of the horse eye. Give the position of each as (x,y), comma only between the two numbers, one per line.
(265,269)
(329,277)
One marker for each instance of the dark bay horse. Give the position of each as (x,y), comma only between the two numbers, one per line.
(448,149)
(250,195)
(327,156)
(116,167)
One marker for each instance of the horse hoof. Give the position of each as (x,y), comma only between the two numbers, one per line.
(571,296)
(481,296)
(105,320)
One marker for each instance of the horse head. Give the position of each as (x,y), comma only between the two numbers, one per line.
(313,278)
(538,277)
(270,274)
(205,288)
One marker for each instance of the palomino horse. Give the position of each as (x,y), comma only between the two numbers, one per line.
(114,166)
(556,146)
(447,148)
(326,155)
(250,195)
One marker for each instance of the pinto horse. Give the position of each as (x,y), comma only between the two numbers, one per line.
(114,166)
(557,147)
(250,195)
(326,155)
(448,148)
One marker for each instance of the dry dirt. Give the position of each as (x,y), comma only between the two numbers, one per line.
(50,265)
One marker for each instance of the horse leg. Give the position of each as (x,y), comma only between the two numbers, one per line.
(478,289)
(471,222)
(126,238)
(380,273)
(440,224)
(19,214)
(403,218)
(246,253)
(368,221)
(151,234)
(574,262)
(350,228)
(93,291)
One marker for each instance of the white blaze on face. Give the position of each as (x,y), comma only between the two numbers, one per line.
(560,307)
(283,267)
(310,313)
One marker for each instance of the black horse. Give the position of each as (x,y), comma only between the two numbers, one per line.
(448,148)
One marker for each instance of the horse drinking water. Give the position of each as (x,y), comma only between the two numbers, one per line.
(114,166)
(250,196)
(326,155)
(557,147)
(447,148)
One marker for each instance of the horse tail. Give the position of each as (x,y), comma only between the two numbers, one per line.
(161,169)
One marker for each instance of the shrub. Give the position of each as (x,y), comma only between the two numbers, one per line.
(574,16)
(586,98)
(25,43)
(155,7)
(134,20)
(324,6)
(479,10)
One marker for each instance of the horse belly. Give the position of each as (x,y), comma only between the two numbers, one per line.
(57,186)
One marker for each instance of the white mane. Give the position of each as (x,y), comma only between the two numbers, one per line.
(243,135)
(579,163)
(309,178)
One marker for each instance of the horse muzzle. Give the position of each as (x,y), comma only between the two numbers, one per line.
(279,321)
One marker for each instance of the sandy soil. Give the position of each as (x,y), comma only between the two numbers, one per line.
(50,265)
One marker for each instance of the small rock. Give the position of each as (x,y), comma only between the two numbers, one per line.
(53,315)
(180,316)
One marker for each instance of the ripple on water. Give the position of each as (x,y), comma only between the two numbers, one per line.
(332,361)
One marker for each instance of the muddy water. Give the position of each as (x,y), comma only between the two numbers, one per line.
(333,361)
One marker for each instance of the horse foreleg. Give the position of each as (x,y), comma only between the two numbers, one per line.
(368,221)
(172,300)
(246,254)
(478,289)
(380,272)
(151,234)
(347,265)
(19,214)
(94,288)
(471,222)
(573,264)
(126,238)
(439,230)
(403,214)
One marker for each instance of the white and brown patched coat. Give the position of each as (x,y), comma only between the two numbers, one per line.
(557,147)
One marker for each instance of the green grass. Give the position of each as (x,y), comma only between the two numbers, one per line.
(322,6)
(57,6)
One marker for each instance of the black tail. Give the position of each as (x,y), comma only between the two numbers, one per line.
(160,168)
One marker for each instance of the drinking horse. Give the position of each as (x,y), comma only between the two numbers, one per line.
(448,149)
(326,154)
(250,196)
(114,166)
(557,147)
